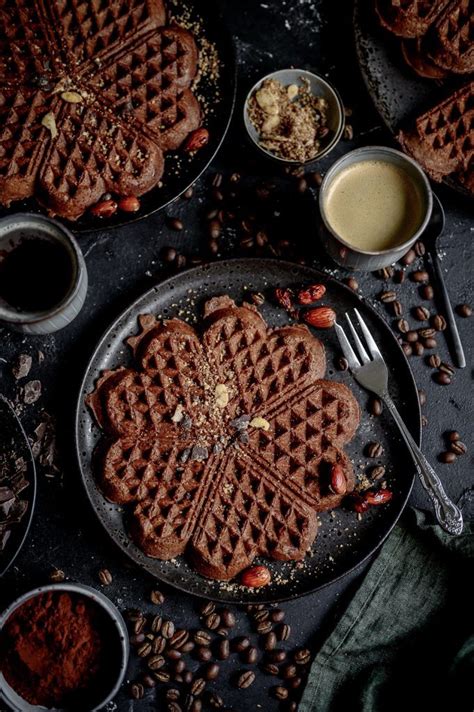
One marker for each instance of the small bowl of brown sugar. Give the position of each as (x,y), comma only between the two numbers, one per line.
(294,116)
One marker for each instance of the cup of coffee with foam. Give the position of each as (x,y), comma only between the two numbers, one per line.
(375,202)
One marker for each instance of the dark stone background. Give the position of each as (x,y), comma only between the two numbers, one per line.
(123,263)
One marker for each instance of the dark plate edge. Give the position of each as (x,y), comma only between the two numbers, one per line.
(416,434)
(33,485)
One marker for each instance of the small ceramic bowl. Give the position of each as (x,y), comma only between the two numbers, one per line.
(13,229)
(321,88)
(118,626)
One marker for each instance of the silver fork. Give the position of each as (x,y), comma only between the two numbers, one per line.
(372,373)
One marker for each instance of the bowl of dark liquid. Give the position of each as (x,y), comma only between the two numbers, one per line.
(43,277)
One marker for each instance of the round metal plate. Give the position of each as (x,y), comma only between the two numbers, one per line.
(398,94)
(343,541)
(14,445)
(181,170)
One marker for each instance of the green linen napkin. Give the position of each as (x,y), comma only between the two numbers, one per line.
(406,641)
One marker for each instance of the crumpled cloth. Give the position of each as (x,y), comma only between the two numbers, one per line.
(406,641)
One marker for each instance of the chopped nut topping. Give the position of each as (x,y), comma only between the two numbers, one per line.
(221,394)
(260,423)
(49,122)
(178,415)
(72,97)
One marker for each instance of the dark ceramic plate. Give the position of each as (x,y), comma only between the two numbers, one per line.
(14,445)
(397,92)
(181,170)
(343,542)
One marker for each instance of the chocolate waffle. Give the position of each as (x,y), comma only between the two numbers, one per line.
(410,18)
(442,139)
(222,445)
(451,44)
(114,83)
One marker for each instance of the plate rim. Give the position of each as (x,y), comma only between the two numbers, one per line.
(417,435)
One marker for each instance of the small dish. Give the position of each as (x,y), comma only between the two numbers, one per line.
(118,626)
(319,87)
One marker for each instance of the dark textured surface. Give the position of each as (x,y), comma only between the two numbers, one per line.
(125,262)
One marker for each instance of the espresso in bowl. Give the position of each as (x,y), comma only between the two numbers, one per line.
(374,203)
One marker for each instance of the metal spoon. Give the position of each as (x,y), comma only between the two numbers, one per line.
(432,232)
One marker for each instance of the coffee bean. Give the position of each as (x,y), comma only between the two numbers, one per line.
(137,639)
(315,178)
(427,333)
(264,627)
(276,656)
(224,632)
(227,618)
(188,194)
(261,238)
(302,185)
(419,275)
(213,247)
(407,349)
(179,638)
(279,692)
(388,297)
(159,644)
(458,448)
(139,625)
(277,615)
(270,669)
(57,576)
(260,616)
(223,650)
(441,378)
(375,406)
(155,662)
(175,224)
(180,261)
(430,343)
(211,671)
(292,706)
(144,649)
(174,707)
(157,597)
(198,686)
(411,336)
(283,631)
(446,368)
(302,656)
(418,348)
(452,436)
(464,310)
(342,364)
(173,654)
(403,326)
(422,396)
(427,291)
(438,322)
(168,254)
(434,361)
(399,276)
(212,621)
(374,450)
(352,283)
(202,637)
(447,458)
(214,700)
(214,229)
(217,195)
(288,671)
(105,577)
(196,706)
(156,624)
(421,313)
(409,258)
(167,629)
(245,679)
(203,654)
(396,308)
(178,666)
(240,644)
(250,656)
(148,681)
(246,243)
(385,272)
(377,472)
(172,695)
(137,691)
(269,641)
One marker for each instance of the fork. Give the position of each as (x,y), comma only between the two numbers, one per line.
(372,373)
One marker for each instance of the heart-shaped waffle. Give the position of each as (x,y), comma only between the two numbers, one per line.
(224,443)
(92,94)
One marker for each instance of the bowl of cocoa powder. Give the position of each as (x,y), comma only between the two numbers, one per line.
(294,116)
(62,647)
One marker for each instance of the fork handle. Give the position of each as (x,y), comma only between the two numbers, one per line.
(447,513)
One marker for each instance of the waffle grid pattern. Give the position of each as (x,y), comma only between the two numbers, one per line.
(199,486)
(132,74)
